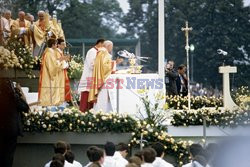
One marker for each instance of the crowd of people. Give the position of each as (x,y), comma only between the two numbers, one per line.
(116,156)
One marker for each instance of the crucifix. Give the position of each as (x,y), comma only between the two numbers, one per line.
(187,48)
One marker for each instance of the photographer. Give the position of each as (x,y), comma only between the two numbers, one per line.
(170,78)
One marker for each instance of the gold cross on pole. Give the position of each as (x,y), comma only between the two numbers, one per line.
(186,30)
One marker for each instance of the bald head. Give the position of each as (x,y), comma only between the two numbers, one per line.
(108,45)
(7,14)
(21,15)
(41,15)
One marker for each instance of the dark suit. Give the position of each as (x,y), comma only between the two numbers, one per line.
(178,84)
(10,123)
(170,82)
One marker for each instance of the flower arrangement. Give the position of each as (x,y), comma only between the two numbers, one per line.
(71,120)
(179,102)
(75,67)
(24,55)
(242,97)
(213,117)
(151,133)
(8,59)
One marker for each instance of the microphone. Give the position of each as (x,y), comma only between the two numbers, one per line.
(222,52)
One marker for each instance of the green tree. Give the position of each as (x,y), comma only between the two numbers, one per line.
(217,24)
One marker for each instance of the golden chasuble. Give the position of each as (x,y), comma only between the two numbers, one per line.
(51,81)
(102,69)
(16,29)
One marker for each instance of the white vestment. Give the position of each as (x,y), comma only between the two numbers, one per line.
(159,162)
(87,70)
(5,27)
(108,162)
(77,164)
(147,165)
(119,160)
(66,164)
(103,99)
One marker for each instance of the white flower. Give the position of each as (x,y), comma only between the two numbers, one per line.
(44,126)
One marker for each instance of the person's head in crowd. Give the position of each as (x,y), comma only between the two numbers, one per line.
(99,43)
(159,149)
(123,149)
(149,155)
(132,165)
(182,69)
(68,146)
(170,64)
(98,156)
(21,15)
(56,163)
(41,15)
(58,157)
(195,149)
(200,159)
(108,45)
(30,17)
(109,148)
(69,156)
(139,154)
(52,43)
(7,14)
(61,44)
(90,151)
(135,160)
(60,147)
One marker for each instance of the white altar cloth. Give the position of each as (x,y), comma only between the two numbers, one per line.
(126,98)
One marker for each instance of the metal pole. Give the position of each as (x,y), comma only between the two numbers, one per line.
(204,130)
(161,40)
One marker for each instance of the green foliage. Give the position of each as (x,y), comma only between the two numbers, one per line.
(217,24)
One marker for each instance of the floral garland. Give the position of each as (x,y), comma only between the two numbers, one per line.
(24,55)
(214,117)
(179,102)
(71,120)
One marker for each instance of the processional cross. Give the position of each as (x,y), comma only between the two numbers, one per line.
(187,48)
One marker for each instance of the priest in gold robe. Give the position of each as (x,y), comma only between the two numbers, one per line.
(21,29)
(64,75)
(43,30)
(103,67)
(51,81)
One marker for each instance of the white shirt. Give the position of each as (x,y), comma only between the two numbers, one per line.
(76,164)
(66,164)
(119,160)
(147,165)
(4,26)
(193,164)
(87,69)
(159,162)
(108,162)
